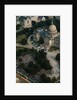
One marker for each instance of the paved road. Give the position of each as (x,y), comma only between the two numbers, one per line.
(24,46)
(21,79)
(30,42)
(51,57)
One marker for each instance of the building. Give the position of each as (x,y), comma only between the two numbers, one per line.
(40,18)
(53,31)
(36,36)
(47,43)
(50,17)
(27,23)
(34,18)
(57,41)
(43,19)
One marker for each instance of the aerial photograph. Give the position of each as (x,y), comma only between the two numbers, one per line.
(37,49)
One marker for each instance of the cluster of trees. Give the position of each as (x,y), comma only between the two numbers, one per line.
(41,24)
(41,41)
(57,23)
(18,26)
(32,68)
(41,61)
(54,79)
(20,51)
(58,56)
(28,31)
(20,59)
(45,79)
(21,65)
(22,38)
(23,41)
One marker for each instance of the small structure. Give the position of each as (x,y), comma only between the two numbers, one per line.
(39,30)
(43,19)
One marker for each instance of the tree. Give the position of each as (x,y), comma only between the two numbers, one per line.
(23,41)
(57,23)
(45,79)
(31,64)
(43,76)
(46,17)
(18,26)
(40,24)
(53,80)
(48,22)
(20,59)
(25,50)
(33,67)
(33,23)
(21,65)
(41,41)
(19,52)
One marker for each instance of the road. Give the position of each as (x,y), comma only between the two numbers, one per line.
(30,42)
(19,30)
(21,79)
(24,46)
(51,57)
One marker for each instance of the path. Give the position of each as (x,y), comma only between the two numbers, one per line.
(51,57)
